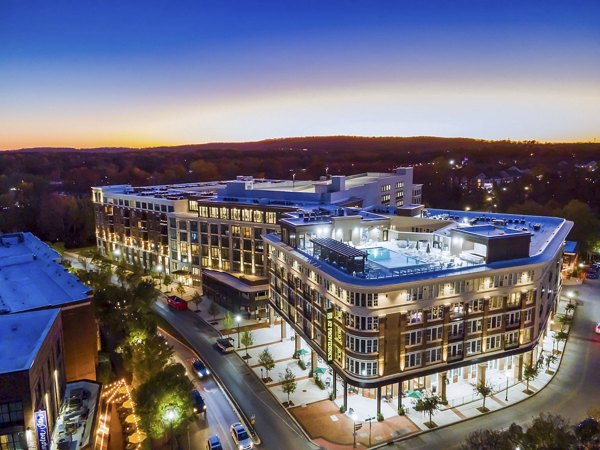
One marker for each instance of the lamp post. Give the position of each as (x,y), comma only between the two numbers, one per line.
(353,415)
(238,319)
(506,395)
(370,420)
(171,418)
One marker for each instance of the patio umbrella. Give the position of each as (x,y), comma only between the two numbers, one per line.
(320,370)
(137,437)
(302,352)
(414,394)
(132,418)
(128,404)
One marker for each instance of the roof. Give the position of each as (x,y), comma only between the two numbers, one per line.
(339,247)
(236,282)
(22,336)
(32,278)
(571,247)
(491,231)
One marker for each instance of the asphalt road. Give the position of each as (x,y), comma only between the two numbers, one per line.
(574,389)
(274,427)
(219,411)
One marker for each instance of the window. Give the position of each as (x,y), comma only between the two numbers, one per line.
(10,441)
(434,334)
(412,360)
(364,368)
(454,350)
(399,184)
(11,414)
(437,313)
(496,302)
(361,345)
(386,188)
(494,322)
(432,356)
(414,316)
(512,338)
(476,306)
(362,322)
(385,199)
(528,315)
(513,318)
(473,346)
(493,342)
(413,338)
(247,215)
(271,217)
(474,326)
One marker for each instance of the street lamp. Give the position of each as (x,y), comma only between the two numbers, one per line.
(171,418)
(354,417)
(506,396)
(238,319)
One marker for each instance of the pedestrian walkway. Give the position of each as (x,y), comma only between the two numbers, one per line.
(313,409)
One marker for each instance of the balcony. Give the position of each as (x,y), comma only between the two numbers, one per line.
(457,357)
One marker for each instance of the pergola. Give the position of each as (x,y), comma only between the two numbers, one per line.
(343,256)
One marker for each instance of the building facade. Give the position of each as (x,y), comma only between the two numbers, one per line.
(397,303)
(32,375)
(186,229)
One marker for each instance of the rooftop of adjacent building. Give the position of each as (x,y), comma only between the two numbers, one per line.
(220,190)
(21,337)
(31,276)
(74,425)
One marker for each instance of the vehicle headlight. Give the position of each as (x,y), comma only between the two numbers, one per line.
(199,374)
(204,408)
(195,409)
(207,372)
(241,447)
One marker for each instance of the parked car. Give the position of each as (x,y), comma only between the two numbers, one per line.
(200,368)
(241,437)
(592,275)
(198,402)
(598,328)
(177,303)
(224,345)
(213,443)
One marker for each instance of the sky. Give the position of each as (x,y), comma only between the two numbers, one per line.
(91,73)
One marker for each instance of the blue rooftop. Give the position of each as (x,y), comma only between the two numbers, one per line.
(571,246)
(21,336)
(32,278)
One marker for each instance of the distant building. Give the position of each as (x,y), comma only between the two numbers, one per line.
(485,181)
(570,257)
(212,231)
(32,279)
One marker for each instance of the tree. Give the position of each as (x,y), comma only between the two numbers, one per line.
(265,359)
(430,405)
(530,373)
(548,431)
(180,288)
(550,359)
(247,340)
(494,439)
(168,389)
(288,383)
(146,353)
(197,299)
(484,390)
(559,337)
(213,310)
(121,274)
(228,322)
(167,280)
(565,321)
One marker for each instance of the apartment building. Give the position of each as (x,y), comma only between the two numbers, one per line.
(394,303)
(209,235)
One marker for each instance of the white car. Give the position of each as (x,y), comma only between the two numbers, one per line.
(241,437)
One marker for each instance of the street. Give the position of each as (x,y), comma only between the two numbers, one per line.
(219,412)
(574,389)
(275,428)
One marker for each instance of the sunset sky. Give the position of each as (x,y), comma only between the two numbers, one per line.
(138,73)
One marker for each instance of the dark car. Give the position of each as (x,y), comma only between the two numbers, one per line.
(177,303)
(213,443)
(592,275)
(198,402)
(200,368)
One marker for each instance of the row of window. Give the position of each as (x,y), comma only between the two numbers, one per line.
(239,214)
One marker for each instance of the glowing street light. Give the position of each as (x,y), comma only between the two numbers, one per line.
(238,319)
(171,415)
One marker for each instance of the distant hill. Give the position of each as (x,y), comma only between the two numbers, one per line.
(416,144)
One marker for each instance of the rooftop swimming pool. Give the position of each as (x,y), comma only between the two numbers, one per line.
(389,258)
